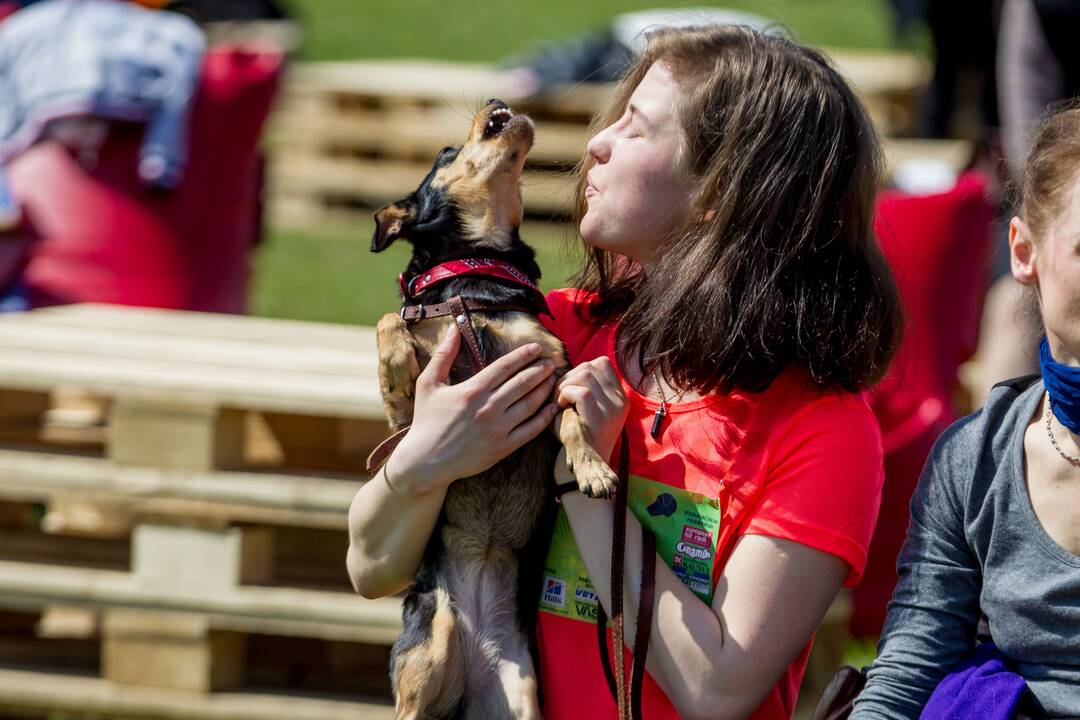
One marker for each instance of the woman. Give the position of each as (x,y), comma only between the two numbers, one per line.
(732,281)
(994,521)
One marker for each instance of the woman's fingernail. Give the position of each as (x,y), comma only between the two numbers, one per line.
(533,348)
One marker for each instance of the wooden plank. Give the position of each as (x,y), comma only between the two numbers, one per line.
(376,182)
(175,435)
(249,609)
(94,340)
(466,86)
(282,391)
(276,499)
(873,72)
(46,692)
(170,650)
(419,134)
(953,153)
(205,557)
(203,326)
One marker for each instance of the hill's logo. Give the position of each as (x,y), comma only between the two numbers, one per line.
(554,592)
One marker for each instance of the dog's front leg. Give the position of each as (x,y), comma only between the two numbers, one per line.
(398,369)
(595,478)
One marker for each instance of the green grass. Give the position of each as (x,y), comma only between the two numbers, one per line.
(490,31)
(330,274)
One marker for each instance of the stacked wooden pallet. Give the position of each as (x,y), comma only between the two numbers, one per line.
(350,137)
(176,538)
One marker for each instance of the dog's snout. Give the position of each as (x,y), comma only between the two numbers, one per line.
(497,103)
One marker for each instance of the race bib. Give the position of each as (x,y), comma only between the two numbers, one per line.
(686,526)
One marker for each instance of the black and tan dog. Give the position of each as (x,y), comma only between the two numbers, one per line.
(465,650)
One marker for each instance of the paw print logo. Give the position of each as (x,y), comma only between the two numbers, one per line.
(665,504)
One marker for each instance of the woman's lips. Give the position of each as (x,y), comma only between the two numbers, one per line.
(590,189)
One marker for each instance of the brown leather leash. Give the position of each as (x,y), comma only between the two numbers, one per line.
(460,309)
(628,702)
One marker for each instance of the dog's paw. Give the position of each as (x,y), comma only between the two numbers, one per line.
(398,369)
(594,477)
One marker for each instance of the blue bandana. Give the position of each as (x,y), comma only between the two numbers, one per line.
(1063,386)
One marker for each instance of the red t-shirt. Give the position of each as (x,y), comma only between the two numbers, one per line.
(791,462)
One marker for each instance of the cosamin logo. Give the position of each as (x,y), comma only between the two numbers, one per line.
(694,551)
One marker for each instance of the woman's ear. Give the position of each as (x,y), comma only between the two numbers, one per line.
(1022,252)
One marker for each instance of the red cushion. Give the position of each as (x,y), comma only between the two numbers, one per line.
(94,242)
(938,247)
(188,248)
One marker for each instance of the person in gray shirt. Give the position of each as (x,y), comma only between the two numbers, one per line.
(995,521)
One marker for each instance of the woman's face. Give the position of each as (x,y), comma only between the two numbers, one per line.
(1052,264)
(636,194)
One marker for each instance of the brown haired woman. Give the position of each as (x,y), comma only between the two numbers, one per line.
(995,521)
(733,306)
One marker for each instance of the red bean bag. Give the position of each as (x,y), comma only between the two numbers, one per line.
(102,236)
(938,247)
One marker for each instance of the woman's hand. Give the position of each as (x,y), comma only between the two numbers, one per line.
(461,430)
(594,389)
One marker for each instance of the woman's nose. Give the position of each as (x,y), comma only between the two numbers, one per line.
(599,145)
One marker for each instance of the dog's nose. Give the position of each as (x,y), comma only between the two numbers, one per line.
(497,102)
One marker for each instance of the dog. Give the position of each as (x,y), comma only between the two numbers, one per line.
(465,650)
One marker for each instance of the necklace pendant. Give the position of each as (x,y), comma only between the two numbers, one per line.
(658,418)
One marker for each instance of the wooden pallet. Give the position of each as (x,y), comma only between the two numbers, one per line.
(184,519)
(41,694)
(351,137)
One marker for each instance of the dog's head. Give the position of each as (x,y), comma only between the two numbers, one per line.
(472,196)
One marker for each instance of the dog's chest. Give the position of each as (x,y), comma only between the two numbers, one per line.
(500,507)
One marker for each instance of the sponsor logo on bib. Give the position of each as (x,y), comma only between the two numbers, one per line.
(554,592)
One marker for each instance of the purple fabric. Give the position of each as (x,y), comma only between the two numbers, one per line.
(980,687)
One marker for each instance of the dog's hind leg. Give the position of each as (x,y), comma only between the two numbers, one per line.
(398,369)
(595,478)
(429,676)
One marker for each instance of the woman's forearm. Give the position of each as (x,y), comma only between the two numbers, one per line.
(390,523)
(687,650)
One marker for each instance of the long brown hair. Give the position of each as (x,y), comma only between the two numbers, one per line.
(775,262)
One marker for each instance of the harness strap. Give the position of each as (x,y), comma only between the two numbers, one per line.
(468,332)
(459,308)
(414,313)
(629,707)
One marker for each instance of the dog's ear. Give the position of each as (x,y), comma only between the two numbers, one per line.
(391,222)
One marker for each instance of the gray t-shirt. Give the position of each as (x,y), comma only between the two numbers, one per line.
(974,543)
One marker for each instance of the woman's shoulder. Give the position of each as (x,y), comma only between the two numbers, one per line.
(795,399)
(990,432)
(976,458)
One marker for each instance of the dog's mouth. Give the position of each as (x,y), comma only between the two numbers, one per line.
(503,122)
(497,122)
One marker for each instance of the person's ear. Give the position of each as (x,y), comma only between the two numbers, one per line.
(391,222)
(1022,252)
